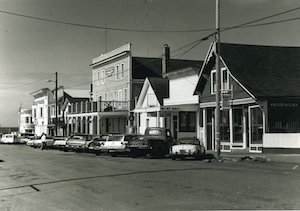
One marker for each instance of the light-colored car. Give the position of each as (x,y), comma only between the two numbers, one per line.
(8,139)
(47,143)
(97,143)
(187,147)
(117,144)
(60,142)
(79,142)
(24,137)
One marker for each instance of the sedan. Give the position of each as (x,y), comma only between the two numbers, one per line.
(79,142)
(97,143)
(187,147)
(47,143)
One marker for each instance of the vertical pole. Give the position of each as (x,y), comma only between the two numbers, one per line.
(218,79)
(56,103)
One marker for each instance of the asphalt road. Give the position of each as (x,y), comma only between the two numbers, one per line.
(31,179)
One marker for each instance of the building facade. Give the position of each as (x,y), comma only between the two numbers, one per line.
(25,121)
(260,98)
(40,112)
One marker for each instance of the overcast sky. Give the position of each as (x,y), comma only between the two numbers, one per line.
(31,51)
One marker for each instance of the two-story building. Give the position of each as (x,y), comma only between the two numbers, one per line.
(25,121)
(260,98)
(40,112)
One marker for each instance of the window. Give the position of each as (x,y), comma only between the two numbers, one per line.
(41,112)
(27,120)
(117,72)
(187,121)
(105,96)
(115,95)
(103,77)
(125,94)
(224,81)
(120,98)
(122,70)
(213,82)
(34,113)
(98,77)
(53,110)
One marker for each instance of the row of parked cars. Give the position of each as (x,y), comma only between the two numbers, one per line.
(157,142)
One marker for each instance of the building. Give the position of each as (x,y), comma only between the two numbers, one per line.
(25,121)
(260,98)
(149,106)
(40,114)
(117,81)
(66,117)
(170,101)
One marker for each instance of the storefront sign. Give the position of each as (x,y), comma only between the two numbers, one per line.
(109,71)
(284,105)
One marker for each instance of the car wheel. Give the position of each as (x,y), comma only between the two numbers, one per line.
(157,150)
(174,157)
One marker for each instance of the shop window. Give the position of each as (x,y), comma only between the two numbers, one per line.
(187,121)
(224,126)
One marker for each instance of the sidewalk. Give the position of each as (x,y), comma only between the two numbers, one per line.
(261,157)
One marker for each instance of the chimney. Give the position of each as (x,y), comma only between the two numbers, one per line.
(165,60)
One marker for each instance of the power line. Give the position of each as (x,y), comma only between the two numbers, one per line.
(139,30)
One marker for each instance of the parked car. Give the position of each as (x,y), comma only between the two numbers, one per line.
(60,142)
(117,144)
(22,138)
(30,141)
(97,143)
(187,147)
(47,143)
(79,142)
(8,139)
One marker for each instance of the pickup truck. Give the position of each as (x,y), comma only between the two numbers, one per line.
(156,142)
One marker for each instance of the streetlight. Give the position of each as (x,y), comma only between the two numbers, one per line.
(55,101)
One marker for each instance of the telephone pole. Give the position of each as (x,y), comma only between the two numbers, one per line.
(56,120)
(218,79)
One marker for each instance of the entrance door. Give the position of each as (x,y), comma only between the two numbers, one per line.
(256,129)
(175,126)
(238,129)
(210,129)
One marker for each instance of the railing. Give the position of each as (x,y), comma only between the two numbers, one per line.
(100,106)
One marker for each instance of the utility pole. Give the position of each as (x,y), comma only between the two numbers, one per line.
(56,120)
(218,79)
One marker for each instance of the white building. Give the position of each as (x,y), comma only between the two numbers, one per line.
(25,121)
(40,113)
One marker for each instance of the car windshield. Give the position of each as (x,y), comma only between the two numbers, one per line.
(115,138)
(77,137)
(155,132)
(188,141)
(9,136)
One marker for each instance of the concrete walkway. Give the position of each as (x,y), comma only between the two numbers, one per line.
(261,157)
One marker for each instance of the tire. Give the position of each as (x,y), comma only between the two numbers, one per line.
(173,157)
(133,153)
(157,150)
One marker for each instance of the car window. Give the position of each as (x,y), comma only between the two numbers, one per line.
(188,141)
(115,138)
(155,132)
(77,137)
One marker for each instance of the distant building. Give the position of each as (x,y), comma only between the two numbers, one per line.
(40,114)
(25,121)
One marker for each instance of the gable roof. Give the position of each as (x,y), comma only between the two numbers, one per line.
(265,71)
(77,93)
(143,67)
(160,87)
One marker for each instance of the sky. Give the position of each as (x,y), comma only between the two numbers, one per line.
(32,50)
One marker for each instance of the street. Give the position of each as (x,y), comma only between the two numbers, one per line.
(32,179)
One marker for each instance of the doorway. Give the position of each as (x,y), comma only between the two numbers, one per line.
(256,129)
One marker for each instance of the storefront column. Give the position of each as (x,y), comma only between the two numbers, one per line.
(157,119)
